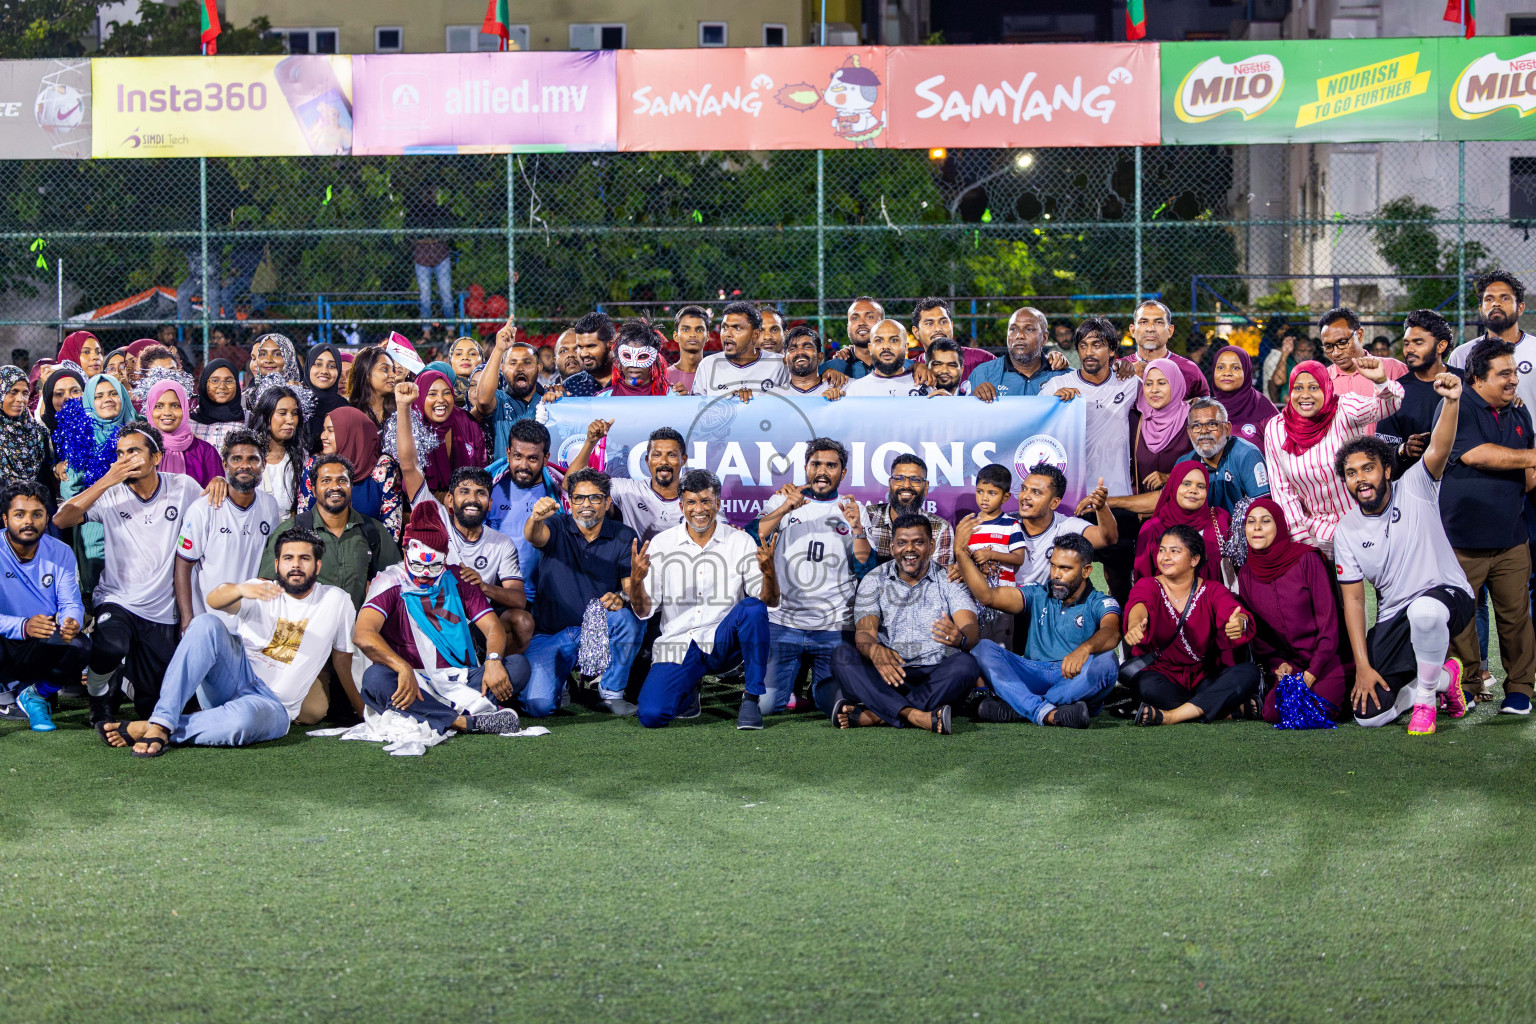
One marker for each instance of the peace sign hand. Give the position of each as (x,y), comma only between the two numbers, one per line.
(639,559)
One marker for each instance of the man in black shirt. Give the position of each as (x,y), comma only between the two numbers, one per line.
(1482,496)
(1426,341)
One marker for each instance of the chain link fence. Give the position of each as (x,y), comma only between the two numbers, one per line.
(338,248)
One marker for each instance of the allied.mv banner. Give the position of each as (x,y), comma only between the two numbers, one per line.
(757,447)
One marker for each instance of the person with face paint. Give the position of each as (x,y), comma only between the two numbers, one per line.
(712,585)
(41,646)
(823,551)
(415,629)
(256,675)
(140,510)
(1395,539)
(585,586)
(641,368)
(223,544)
(1068,664)
(508,389)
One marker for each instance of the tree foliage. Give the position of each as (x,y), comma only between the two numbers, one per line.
(1405,237)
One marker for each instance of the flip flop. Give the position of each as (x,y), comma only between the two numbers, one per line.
(117,728)
(160,744)
(1146,714)
(942,721)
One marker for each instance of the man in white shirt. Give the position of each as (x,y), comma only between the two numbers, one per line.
(823,550)
(223,544)
(713,585)
(250,683)
(740,368)
(802,355)
(1039,495)
(1501,301)
(888,376)
(646,506)
(1394,538)
(140,510)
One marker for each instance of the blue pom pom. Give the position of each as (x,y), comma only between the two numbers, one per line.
(1300,707)
(75,439)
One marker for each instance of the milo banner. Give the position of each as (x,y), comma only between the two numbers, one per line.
(756,447)
(1346,90)
(1490,86)
(222,106)
(45,109)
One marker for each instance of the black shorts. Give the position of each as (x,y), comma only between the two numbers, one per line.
(1391,643)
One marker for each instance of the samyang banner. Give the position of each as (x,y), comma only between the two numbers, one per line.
(1323,90)
(221,106)
(45,109)
(801,97)
(486,102)
(1074,94)
(757,447)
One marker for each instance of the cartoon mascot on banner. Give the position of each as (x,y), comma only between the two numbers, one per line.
(852,94)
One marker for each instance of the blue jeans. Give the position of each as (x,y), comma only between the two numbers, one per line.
(787,646)
(444,273)
(238,709)
(741,636)
(551,656)
(1036,688)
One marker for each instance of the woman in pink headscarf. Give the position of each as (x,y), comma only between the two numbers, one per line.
(1300,445)
(1161,437)
(167,409)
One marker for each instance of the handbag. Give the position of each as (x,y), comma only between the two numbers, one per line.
(1133,667)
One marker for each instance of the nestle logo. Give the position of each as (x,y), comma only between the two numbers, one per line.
(1522,64)
(1250,67)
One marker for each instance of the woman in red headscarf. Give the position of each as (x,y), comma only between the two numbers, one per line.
(1300,445)
(442,436)
(1185,501)
(1287,587)
(84,350)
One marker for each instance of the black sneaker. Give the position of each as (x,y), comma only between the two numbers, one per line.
(993,709)
(618,706)
(498,721)
(12,712)
(101,709)
(751,716)
(693,709)
(1072,716)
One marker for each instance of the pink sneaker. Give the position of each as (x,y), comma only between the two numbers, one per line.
(1423,721)
(1454,699)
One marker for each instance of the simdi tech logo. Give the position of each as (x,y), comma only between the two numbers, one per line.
(1213,87)
(1492,83)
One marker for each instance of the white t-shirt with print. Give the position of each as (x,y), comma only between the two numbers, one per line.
(289,639)
(814,565)
(141,545)
(225,544)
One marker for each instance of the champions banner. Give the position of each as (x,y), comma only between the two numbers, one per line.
(221,106)
(757,447)
(545,102)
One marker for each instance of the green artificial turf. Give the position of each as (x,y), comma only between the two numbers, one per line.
(699,873)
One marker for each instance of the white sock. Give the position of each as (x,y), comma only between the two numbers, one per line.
(97,684)
(1429,624)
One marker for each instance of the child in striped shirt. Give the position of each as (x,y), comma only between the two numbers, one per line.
(996,545)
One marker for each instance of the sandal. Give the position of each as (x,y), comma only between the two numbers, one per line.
(1146,714)
(845,714)
(160,743)
(120,729)
(941,721)
(1250,710)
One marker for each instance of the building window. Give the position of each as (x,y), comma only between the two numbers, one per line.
(469,39)
(1522,188)
(388,39)
(1522,25)
(712,33)
(592,36)
(775,35)
(308,40)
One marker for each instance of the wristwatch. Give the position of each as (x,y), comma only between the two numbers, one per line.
(493,657)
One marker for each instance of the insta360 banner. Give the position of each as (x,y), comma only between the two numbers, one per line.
(757,447)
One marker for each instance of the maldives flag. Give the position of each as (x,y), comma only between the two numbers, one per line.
(1462,12)
(497,18)
(1136,19)
(211,27)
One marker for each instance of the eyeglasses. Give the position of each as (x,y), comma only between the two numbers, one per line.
(587,499)
(1337,346)
(909,480)
(1208,427)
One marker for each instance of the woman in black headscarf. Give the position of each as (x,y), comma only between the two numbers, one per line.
(322,372)
(218,409)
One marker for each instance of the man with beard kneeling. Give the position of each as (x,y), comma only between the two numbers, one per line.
(415,630)
(251,683)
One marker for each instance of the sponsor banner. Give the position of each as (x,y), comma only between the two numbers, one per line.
(1489,87)
(1048,95)
(757,447)
(486,102)
(221,106)
(45,109)
(1354,90)
(800,97)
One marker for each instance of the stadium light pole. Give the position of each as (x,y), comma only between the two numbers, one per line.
(511,246)
(202,188)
